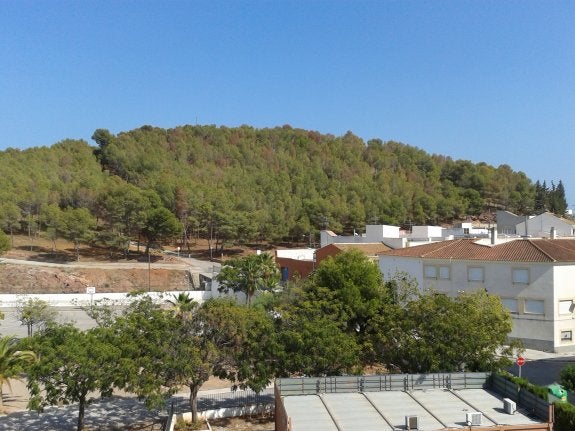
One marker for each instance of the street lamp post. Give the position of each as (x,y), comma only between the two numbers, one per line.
(149,270)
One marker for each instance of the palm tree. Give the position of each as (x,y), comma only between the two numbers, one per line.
(12,360)
(249,274)
(182,304)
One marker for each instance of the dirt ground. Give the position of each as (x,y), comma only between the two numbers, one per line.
(23,279)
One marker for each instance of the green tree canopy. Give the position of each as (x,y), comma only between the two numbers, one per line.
(567,377)
(162,352)
(72,363)
(442,333)
(34,312)
(159,225)
(347,287)
(240,185)
(77,225)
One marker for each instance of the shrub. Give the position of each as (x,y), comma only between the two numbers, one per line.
(564,417)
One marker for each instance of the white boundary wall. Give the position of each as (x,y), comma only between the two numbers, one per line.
(84,299)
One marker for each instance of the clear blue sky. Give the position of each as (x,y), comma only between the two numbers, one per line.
(481,80)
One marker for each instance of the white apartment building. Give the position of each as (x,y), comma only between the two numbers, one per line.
(535,279)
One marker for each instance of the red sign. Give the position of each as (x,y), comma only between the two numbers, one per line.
(520,361)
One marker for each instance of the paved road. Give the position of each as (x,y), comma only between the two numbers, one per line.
(11,326)
(544,368)
(114,413)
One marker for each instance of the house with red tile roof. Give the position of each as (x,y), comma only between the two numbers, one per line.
(535,279)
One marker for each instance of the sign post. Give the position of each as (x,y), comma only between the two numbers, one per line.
(520,362)
(90,290)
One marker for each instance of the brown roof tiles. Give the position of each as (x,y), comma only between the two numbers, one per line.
(520,250)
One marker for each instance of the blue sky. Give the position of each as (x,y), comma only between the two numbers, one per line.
(489,81)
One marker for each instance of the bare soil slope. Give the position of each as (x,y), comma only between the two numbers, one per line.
(22,279)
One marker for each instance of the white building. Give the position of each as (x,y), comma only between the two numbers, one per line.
(535,225)
(373,233)
(533,277)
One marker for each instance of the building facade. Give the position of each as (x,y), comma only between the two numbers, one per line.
(535,279)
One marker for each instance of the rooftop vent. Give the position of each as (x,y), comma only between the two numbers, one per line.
(473,418)
(411,423)
(509,406)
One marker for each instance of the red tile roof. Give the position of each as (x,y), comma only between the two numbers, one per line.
(520,250)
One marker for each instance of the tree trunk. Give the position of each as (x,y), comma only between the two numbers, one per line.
(81,411)
(194,402)
(1,394)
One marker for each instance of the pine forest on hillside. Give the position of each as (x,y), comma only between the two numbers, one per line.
(245,184)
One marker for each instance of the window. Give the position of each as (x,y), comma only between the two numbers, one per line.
(566,335)
(520,276)
(444,273)
(534,306)
(511,305)
(566,306)
(475,274)
(430,271)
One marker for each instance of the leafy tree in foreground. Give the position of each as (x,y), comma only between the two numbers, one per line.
(104,311)
(441,333)
(162,352)
(317,347)
(249,274)
(348,289)
(71,364)
(35,312)
(13,360)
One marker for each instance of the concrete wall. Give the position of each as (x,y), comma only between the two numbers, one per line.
(296,268)
(426,232)
(376,233)
(395,243)
(391,265)
(298,254)
(507,222)
(563,279)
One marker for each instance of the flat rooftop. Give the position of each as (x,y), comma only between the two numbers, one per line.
(436,409)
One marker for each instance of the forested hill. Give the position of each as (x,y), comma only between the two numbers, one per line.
(246,183)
